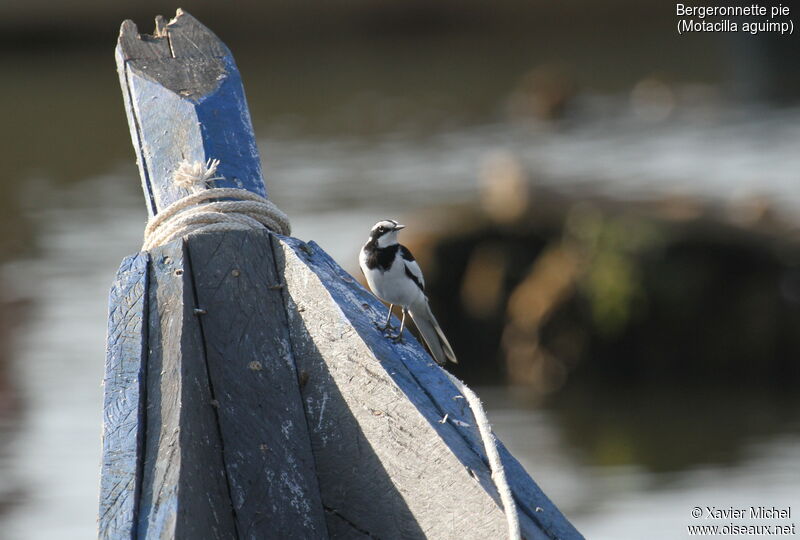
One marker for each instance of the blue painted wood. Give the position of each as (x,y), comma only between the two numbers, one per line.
(376,453)
(186,464)
(265,444)
(427,386)
(123,426)
(184,491)
(185,101)
(208,464)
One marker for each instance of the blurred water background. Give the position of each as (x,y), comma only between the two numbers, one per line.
(372,110)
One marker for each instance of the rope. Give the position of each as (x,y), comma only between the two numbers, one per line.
(490,445)
(204,211)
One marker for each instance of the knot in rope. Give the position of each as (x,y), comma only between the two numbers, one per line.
(211,209)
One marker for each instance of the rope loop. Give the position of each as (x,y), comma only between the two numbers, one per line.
(211,209)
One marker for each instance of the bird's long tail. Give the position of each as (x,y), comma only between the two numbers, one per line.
(431,332)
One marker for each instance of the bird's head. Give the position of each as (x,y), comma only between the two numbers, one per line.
(384,232)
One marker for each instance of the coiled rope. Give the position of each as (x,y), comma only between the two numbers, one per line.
(210,209)
(493,455)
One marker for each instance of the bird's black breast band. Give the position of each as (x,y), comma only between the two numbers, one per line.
(380,258)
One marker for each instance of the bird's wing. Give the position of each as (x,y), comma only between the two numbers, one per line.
(413,270)
(431,332)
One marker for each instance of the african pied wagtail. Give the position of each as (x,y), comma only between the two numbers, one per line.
(394,276)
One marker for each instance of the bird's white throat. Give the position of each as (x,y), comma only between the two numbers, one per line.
(388,239)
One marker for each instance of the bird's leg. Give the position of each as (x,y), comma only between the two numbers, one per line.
(399,336)
(388,324)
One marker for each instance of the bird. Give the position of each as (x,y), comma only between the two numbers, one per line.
(394,276)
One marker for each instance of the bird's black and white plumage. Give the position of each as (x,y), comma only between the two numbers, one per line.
(395,277)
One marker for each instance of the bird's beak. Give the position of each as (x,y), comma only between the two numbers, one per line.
(398,227)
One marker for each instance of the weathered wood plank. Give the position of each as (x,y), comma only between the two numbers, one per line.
(373,374)
(188,38)
(267,451)
(123,428)
(185,101)
(531,500)
(252,389)
(184,492)
(379,443)
(133,46)
(534,506)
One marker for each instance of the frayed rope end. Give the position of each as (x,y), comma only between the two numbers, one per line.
(211,209)
(195,176)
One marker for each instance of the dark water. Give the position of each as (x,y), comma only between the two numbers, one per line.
(346,140)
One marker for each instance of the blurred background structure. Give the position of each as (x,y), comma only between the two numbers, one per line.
(606,213)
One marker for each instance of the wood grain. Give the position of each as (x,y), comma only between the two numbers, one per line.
(267,451)
(336,316)
(248,393)
(185,101)
(123,426)
(385,462)
(184,490)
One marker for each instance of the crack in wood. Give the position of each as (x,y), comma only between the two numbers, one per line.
(333,511)
(192,284)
